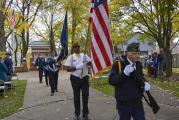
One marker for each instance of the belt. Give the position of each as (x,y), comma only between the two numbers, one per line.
(80,77)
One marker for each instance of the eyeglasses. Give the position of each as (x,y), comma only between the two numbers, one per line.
(77,46)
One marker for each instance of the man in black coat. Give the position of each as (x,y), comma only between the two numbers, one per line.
(52,71)
(40,63)
(128,92)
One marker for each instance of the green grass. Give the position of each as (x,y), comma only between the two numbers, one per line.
(13,99)
(172,87)
(175,70)
(102,85)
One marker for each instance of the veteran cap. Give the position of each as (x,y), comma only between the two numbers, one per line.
(133,47)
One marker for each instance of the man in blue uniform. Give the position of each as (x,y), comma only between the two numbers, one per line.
(40,62)
(128,92)
(51,69)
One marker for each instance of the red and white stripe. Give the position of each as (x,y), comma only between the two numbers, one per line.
(101,45)
(12,19)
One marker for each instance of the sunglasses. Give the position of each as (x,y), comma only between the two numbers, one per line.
(77,46)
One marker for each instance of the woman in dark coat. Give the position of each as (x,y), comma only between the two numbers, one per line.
(3,71)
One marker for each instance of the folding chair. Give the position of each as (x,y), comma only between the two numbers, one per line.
(8,84)
(14,76)
(2,86)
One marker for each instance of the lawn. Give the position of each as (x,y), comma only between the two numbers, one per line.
(13,99)
(102,85)
(175,70)
(172,87)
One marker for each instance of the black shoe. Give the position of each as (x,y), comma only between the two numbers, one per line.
(76,117)
(86,117)
(52,94)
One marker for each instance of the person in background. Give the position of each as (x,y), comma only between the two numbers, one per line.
(77,64)
(9,64)
(160,60)
(3,71)
(128,91)
(52,71)
(40,62)
(155,64)
(149,65)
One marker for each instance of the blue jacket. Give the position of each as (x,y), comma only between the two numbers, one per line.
(40,62)
(50,66)
(8,62)
(3,72)
(127,90)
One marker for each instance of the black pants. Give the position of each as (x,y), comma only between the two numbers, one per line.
(53,80)
(46,79)
(80,85)
(56,80)
(126,112)
(40,75)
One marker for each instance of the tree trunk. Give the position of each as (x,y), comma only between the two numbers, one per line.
(15,52)
(168,62)
(2,33)
(23,44)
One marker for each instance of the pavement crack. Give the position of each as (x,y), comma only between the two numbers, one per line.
(24,118)
(42,104)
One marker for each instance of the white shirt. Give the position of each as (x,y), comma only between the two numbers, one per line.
(74,60)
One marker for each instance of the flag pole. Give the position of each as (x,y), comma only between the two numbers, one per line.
(13,37)
(88,32)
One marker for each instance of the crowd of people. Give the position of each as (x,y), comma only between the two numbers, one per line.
(77,63)
(6,69)
(155,64)
(128,92)
(47,67)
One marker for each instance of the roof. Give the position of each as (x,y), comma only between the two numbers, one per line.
(39,43)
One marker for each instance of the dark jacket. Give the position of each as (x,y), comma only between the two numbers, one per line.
(50,67)
(8,62)
(3,72)
(40,62)
(127,89)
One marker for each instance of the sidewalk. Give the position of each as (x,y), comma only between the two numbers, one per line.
(39,105)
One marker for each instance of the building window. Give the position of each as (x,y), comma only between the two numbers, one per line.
(150,43)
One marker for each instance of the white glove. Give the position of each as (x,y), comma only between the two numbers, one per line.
(128,70)
(146,86)
(80,66)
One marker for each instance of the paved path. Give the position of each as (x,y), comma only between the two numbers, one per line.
(39,105)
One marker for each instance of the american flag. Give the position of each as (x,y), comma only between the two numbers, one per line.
(12,19)
(101,45)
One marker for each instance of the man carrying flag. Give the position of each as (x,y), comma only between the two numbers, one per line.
(77,64)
